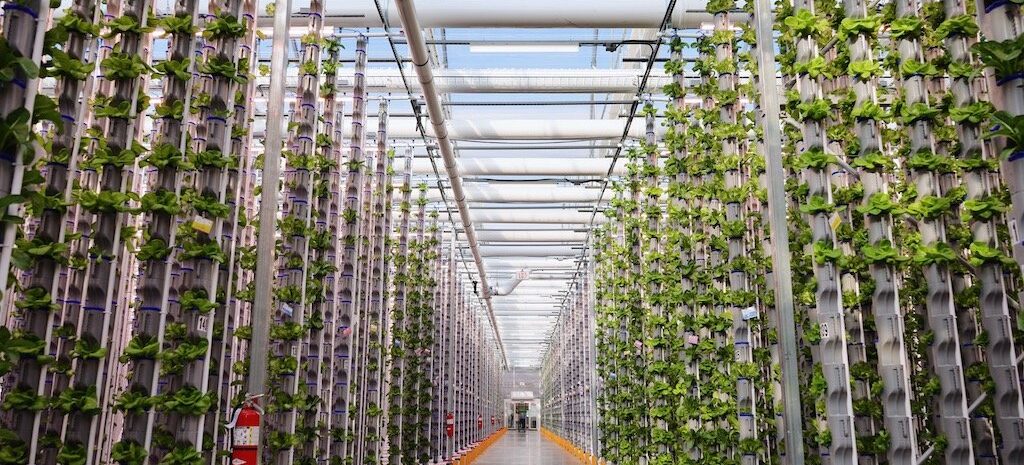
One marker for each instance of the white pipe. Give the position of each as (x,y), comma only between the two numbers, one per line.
(421,59)
(614,14)
(533,251)
(471,81)
(506,129)
(519,129)
(506,287)
(532,236)
(535,216)
(533,166)
(524,193)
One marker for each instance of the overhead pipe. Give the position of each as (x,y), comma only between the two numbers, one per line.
(534,216)
(532,251)
(421,59)
(532,236)
(523,193)
(506,129)
(506,287)
(468,81)
(533,166)
(588,14)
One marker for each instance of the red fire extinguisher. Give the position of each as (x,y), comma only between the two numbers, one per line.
(479,422)
(449,425)
(246,433)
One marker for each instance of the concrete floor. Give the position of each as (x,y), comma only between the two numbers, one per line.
(525,448)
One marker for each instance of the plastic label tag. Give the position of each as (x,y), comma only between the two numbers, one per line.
(835,221)
(750,313)
(246,436)
(202,225)
(286,309)
(201,323)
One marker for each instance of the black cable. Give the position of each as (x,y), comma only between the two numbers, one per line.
(651,60)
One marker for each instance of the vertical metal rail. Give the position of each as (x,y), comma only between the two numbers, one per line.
(206,275)
(965,91)
(418,51)
(24,28)
(779,227)
(363,318)
(38,303)
(370,432)
(266,237)
(100,291)
(399,350)
(828,308)
(236,231)
(951,401)
(1002,21)
(350,237)
(333,339)
(893,366)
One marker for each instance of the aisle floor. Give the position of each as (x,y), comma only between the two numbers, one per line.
(525,448)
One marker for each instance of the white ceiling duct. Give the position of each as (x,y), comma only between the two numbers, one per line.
(613,14)
(471,81)
(518,129)
(504,129)
(531,236)
(535,216)
(524,193)
(530,251)
(420,56)
(597,167)
(507,286)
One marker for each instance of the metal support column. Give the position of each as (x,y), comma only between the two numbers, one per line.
(792,421)
(265,269)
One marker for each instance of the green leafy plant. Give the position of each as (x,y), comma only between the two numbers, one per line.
(178,25)
(161,201)
(140,347)
(153,250)
(13,65)
(867,26)
(27,252)
(128,452)
(187,400)
(123,66)
(104,201)
(206,250)
(13,451)
(906,28)
(178,69)
(1006,58)
(183,455)
(125,24)
(804,23)
(957,26)
(62,65)
(720,6)
(35,299)
(1012,128)
(196,300)
(82,400)
(72,453)
(88,348)
(23,398)
(864,70)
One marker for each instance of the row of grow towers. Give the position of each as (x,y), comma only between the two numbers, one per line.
(130,177)
(902,132)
